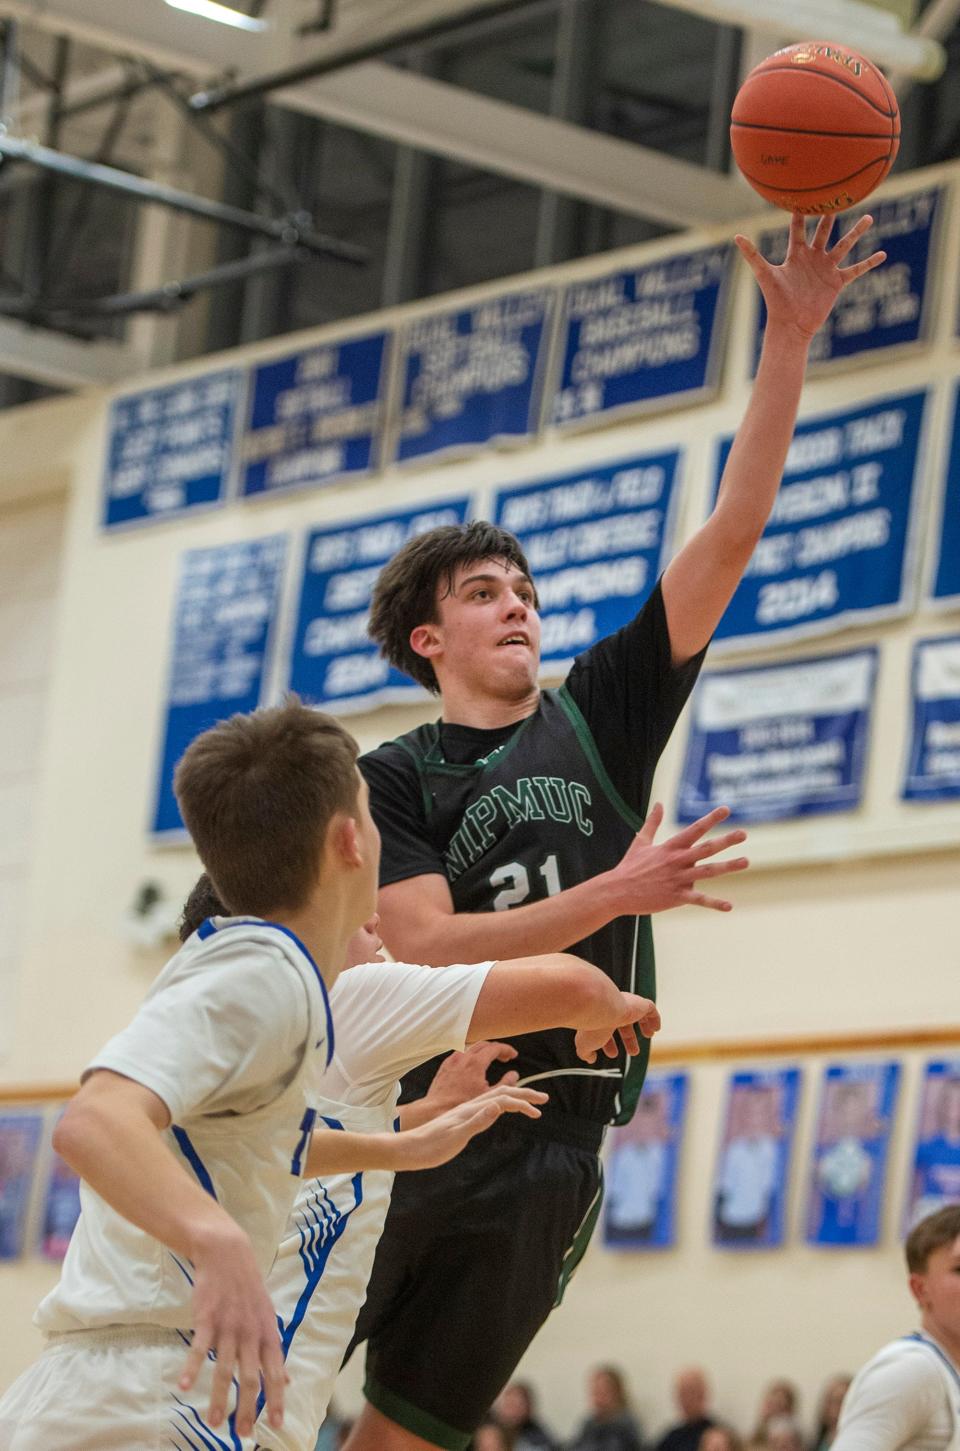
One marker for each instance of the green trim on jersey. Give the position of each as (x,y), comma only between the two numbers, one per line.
(433,756)
(580,1241)
(646,982)
(412,1419)
(572,711)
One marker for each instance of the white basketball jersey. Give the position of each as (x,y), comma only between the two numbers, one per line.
(390,1017)
(907,1396)
(235,1037)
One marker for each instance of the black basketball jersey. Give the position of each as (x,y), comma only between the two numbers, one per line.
(510,834)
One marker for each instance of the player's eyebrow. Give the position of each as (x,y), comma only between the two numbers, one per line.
(491,579)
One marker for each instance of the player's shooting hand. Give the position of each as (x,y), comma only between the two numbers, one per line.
(634,1012)
(802,290)
(655,876)
(443,1137)
(234,1318)
(462,1076)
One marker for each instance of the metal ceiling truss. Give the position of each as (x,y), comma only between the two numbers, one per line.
(338,71)
(292,229)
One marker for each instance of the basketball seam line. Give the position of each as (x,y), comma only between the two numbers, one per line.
(821,186)
(804,131)
(838,80)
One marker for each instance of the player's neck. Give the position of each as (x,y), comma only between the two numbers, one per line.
(947,1339)
(323,929)
(463,705)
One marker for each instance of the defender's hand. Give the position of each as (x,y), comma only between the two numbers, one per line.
(635,1012)
(234,1317)
(463,1076)
(443,1137)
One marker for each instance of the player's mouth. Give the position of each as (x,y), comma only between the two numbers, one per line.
(517,638)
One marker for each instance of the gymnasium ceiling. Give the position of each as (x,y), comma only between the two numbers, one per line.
(494,112)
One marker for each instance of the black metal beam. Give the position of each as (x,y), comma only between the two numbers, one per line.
(295,230)
(446,27)
(167,298)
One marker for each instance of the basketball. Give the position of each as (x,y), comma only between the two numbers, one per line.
(815,127)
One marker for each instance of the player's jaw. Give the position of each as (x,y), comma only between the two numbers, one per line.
(937,1292)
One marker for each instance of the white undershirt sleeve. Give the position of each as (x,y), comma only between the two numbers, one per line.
(392,1016)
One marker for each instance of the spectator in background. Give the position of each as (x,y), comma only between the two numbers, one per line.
(718,1437)
(784,1434)
(515,1409)
(779,1399)
(691,1392)
(611,1425)
(829,1413)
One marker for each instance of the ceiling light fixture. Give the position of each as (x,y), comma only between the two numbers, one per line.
(224,14)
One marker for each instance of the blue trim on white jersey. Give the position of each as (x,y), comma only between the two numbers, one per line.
(209,1440)
(315,1274)
(208,927)
(921,1339)
(193,1159)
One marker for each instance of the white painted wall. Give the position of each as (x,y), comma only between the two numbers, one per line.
(847,923)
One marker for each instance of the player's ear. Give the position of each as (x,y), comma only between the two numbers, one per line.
(918,1289)
(344,838)
(425,640)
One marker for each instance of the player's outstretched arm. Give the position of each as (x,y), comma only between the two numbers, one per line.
(423,1147)
(419,924)
(799,295)
(110,1134)
(558,990)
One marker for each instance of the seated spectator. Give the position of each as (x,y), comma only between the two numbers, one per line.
(784,1434)
(491,1436)
(610,1425)
(779,1399)
(829,1413)
(719,1437)
(691,1393)
(515,1408)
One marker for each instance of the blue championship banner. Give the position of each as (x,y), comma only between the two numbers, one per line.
(933,757)
(474,377)
(946,579)
(315,416)
(888,307)
(334,662)
(839,547)
(935,1180)
(635,339)
(750,1182)
(857,1105)
(223,633)
(779,741)
(640,1177)
(170,449)
(20,1136)
(596,542)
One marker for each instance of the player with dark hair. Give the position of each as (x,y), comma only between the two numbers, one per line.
(519,823)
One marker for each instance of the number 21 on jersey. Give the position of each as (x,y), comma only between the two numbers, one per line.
(514,882)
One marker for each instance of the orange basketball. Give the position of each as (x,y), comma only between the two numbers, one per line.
(815,127)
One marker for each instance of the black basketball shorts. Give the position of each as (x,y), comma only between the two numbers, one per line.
(473,1258)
